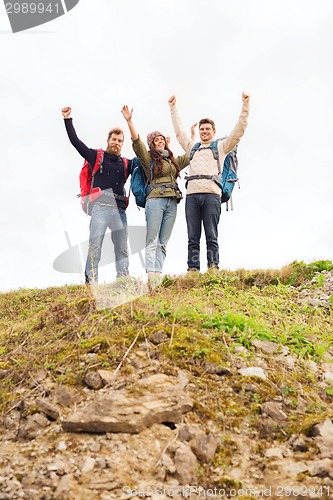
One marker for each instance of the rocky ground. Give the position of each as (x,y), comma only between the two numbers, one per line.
(320,297)
(137,432)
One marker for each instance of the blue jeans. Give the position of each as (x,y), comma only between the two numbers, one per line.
(202,208)
(160,218)
(103,217)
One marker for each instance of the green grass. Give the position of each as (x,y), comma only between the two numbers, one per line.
(206,317)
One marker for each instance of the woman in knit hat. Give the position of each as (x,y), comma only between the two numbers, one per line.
(162,169)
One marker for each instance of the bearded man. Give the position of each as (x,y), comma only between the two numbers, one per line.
(109,209)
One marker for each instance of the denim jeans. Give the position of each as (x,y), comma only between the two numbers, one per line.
(202,208)
(160,218)
(103,217)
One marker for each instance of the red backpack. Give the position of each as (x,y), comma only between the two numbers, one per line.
(88,194)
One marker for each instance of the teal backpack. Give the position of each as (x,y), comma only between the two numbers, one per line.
(141,186)
(139,182)
(226,177)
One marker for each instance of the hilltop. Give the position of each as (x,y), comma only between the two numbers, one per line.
(213,385)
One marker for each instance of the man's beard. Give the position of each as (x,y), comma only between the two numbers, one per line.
(114,150)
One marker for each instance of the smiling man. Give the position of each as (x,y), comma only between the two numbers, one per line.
(203,195)
(108,209)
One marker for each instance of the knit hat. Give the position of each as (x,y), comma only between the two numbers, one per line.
(152,136)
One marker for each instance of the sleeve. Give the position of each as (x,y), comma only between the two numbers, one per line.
(183,161)
(184,140)
(87,153)
(141,152)
(235,136)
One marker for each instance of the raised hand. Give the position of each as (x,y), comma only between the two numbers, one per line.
(172,101)
(193,131)
(245,97)
(127,113)
(66,112)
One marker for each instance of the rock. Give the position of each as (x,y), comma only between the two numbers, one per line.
(315,302)
(293,469)
(182,379)
(284,351)
(186,433)
(94,447)
(61,446)
(323,433)
(240,349)
(328,377)
(186,465)
(168,464)
(37,379)
(326,367)
(273,410)
(203,446)
(324,430)
(101,463)
(139,363)
(58,465)
(107,376)
(274,453)
(311,365)
(67,396)
(64,489)
(156,399)
(289,361)
(87,465)
(266,346)
(321,468)
(33,426)
(49,409)
(250,388)
(253,371)
(158,337)
(216,369)
(93,380)
(301,444)
(268,428)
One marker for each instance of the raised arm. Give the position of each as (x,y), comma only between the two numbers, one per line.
(183,139)
(138,146)
(234,137)
(66,112)
(87,153)
(128,114)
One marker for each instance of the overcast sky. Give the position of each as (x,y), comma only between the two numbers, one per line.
(104,54)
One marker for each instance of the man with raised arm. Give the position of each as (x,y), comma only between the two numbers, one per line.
(109,209)
(203,196)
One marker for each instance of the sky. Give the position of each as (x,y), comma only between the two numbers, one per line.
(104,54)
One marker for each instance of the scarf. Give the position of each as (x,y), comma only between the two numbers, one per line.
(163,152)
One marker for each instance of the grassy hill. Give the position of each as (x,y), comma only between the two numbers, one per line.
(209,327)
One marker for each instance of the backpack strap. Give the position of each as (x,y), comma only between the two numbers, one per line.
(215,178)
(126,170)
(164,185)
(214,149)
(194,149)
(151,173)
(213,146)
(98,162)
(98,166)
(148,180)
